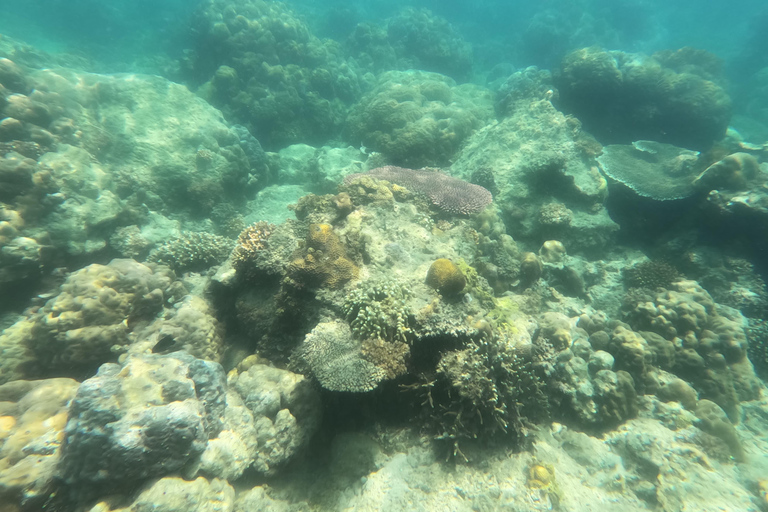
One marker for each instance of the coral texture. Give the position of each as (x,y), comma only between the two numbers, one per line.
(447,193)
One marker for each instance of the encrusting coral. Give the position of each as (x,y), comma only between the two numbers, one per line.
(323,261)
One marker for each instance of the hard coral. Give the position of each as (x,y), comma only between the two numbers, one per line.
(623,97)
(251,241)
(447,193)
(415,118)
(444,276)
(192,251)
(651,274)
(379,310)
(323,261)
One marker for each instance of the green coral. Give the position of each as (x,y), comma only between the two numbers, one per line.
(379,309)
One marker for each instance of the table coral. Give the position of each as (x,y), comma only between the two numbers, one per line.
(449,194)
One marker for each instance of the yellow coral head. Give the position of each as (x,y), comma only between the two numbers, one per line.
(445,277)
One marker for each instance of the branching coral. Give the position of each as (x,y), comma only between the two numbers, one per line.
(379,310)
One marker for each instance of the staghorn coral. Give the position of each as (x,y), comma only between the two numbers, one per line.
(192,251)
(378,309)
(490,387)
(451,195)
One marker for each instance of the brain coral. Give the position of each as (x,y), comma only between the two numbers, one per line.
(449,194)
(417,118)
(445,276)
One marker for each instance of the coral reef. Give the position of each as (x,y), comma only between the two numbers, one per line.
(251,241)
(89,321)
(33,415)
(422,40)
(623,97)
(378,310)
(651,274)
(322,261)
(417,119)
(710,345)
(152,416)
(652,169)
(261,65)
(335,359)
(538,156)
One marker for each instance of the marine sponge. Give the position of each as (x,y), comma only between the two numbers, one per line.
(444,276)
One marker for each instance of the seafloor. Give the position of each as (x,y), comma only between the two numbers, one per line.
(299,275)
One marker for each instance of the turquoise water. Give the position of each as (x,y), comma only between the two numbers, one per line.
(383,255)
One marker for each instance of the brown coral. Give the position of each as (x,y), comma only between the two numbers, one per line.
(251,241)
(323,261)
(390,357)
